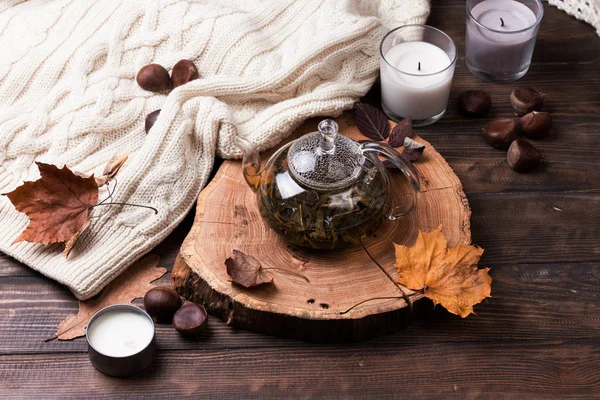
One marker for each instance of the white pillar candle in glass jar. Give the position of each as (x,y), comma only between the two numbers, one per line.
(417,66)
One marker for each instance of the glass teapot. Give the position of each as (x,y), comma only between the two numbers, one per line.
(324,190)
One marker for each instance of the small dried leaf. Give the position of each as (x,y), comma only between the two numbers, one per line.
(371,121)
(130,285)
(71,242)
(449,277)
(57,205)
(412,149)
(114,165)
(112,168)
(401,131)
(246,270)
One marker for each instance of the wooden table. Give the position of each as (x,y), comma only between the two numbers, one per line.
(537,337)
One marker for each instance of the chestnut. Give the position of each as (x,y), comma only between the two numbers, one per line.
(475,103)
(500,133)
(526,100)
(190,319)
(154,78)
(150,120)
(161,303)
(536,124)
(522,156)
(183,72)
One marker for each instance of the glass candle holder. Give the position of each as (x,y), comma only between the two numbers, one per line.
(416,66)
(501,37)
(121,340)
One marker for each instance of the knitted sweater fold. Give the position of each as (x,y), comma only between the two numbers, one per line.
(68,96)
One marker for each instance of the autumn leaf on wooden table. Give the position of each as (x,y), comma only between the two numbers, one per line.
(112,168)
(448,276)
(130,285)
(246,270)
(57,205)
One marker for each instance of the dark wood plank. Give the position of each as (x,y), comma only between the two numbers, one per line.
(536,227)
(530,302)
(555,369)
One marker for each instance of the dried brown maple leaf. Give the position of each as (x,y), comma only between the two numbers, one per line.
(246,270)
(448,276)
(57,205)
(112,168)
(130,285)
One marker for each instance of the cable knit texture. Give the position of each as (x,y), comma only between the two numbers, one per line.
(585,10)
(68,95)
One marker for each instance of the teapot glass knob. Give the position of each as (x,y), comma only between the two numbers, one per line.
(329,129)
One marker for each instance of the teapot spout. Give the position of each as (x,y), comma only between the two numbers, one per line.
(250,163)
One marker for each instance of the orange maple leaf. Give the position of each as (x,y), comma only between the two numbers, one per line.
(448,276)
(57,205)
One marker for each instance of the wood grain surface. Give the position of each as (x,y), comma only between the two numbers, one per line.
(538,337)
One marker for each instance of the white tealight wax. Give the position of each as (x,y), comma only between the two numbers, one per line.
(120,333)
(416,80)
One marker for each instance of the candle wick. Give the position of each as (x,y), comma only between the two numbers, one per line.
(501,21)
(419,65)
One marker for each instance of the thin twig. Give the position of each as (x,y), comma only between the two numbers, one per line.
(404,295)
(110,195)
(126,204)
(376,298)
(287,272)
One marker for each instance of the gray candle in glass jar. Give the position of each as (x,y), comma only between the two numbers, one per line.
(501,37)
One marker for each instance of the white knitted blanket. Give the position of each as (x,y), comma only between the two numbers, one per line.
(68,96)
(585,10)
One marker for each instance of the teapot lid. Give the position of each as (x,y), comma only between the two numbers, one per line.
(325,160)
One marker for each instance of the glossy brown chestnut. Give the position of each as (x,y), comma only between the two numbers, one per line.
(476,103)
(183,72)
(500,133)
(526,100)
(190,319)
(150,120)
(522,156)
(536,124)
(154,78)
(161,303)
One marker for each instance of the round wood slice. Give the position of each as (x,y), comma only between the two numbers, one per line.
(227,218)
